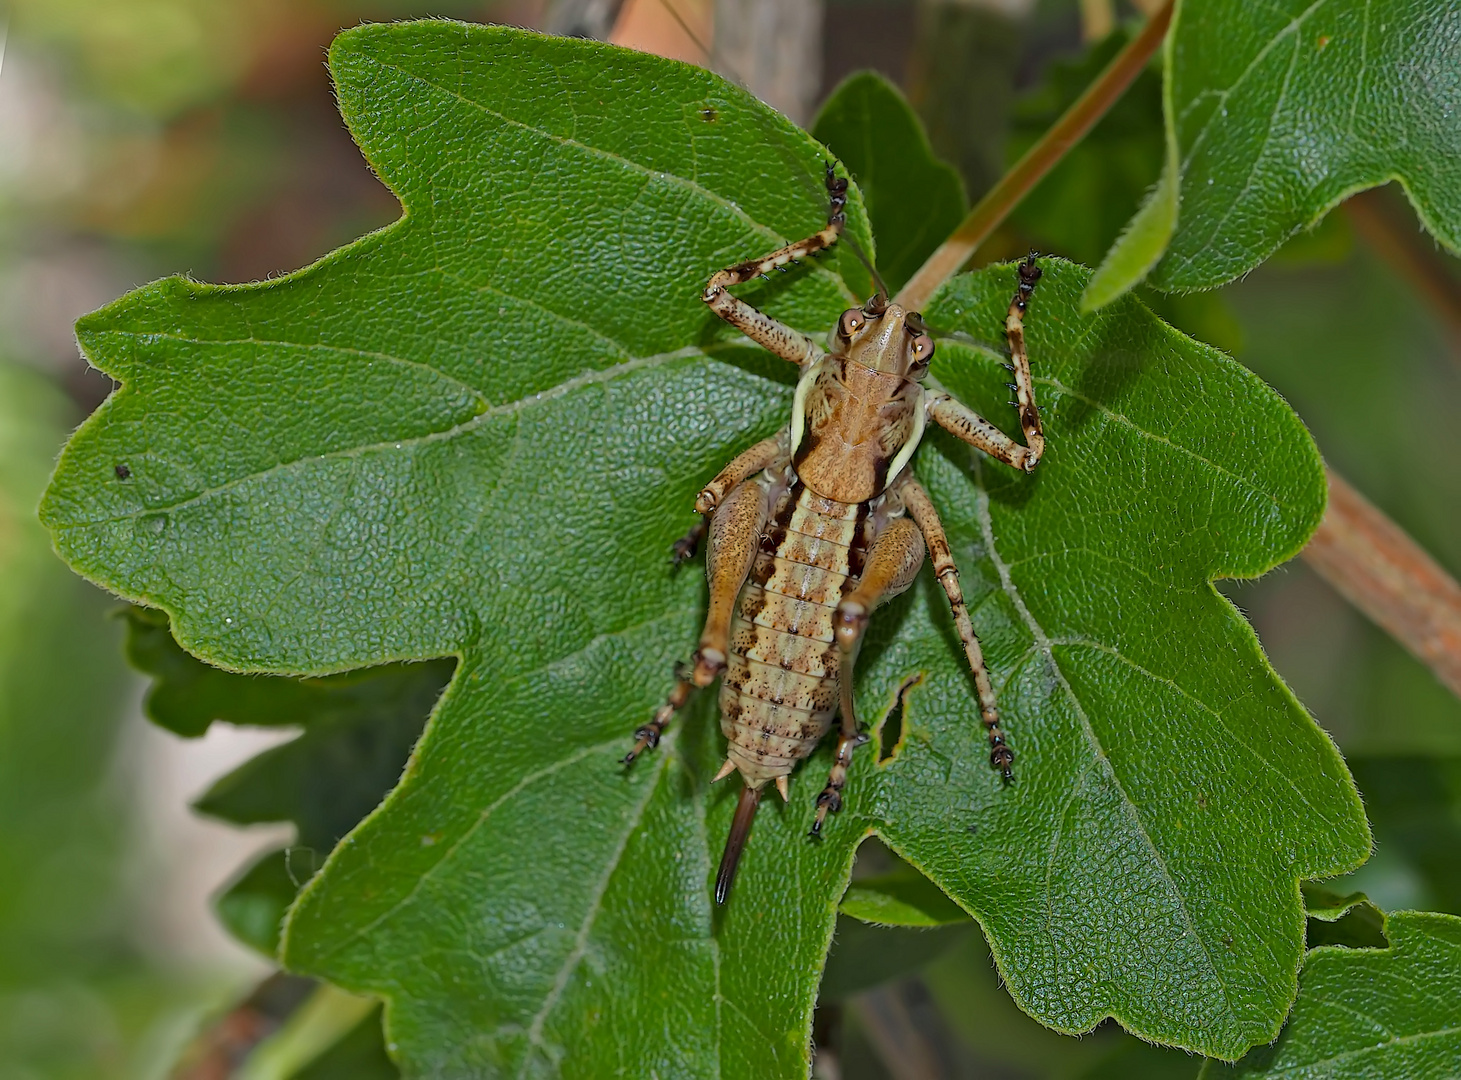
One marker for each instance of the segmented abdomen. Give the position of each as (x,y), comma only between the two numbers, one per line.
(779,693)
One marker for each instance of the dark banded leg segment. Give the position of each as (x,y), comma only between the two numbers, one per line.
(957,418)
(761,328)
(647,737)
(892,564)
(916,499)
(1024,386)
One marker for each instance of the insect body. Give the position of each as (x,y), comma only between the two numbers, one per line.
(813,528)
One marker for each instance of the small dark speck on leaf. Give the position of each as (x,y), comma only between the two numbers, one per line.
(709,115)
(123,473)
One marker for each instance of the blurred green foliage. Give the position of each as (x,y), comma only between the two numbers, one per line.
(77,998)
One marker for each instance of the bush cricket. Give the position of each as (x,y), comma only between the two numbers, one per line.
(813,528)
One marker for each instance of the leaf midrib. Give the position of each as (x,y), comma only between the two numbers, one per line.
(591,913)
(589,378)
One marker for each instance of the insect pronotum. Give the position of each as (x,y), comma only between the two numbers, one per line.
(813,528)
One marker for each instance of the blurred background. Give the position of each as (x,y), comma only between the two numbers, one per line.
(140,138)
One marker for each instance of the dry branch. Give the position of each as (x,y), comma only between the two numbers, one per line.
(996,205)
(1374,565)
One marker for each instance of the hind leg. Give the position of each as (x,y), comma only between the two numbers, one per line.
(891,566)
(735,535)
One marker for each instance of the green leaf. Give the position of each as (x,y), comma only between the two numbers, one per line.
(1138,247)
(1328,906)
(900,900)
(187,695)
(510,392)
(1278,112)
(914,199)
(1375,1014)
(1349,920)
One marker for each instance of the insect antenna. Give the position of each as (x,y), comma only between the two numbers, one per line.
(735,843)
(883,293)
(712,59)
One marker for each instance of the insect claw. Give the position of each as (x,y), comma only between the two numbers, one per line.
(725,770)
(781,788)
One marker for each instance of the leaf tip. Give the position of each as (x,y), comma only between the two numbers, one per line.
(1139,247)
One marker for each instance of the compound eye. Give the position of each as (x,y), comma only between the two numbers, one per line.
(922,349)
(852,321)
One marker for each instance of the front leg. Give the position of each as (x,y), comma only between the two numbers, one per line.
(761,328)
(956,417)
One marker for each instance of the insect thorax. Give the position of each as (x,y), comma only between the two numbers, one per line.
(853,428)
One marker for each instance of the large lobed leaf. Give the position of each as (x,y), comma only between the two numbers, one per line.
(1372,1014)
(468,435)
(1120,875)
(1276,112)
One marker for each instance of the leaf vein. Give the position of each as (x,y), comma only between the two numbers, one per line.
(619,159)
(596,899)
(986,525)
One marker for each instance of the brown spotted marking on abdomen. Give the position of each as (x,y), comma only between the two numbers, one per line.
(779,693)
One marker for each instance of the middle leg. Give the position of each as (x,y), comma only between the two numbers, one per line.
(922,508)
(742,467)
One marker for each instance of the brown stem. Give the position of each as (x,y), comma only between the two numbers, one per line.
(906,1049)
(1038,160)
(1374,565)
